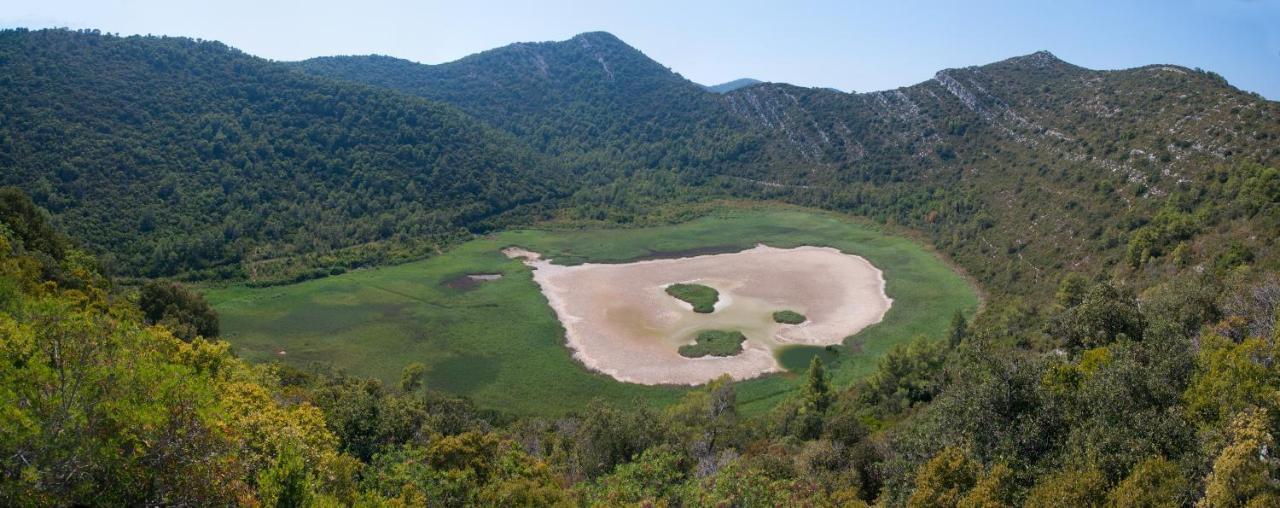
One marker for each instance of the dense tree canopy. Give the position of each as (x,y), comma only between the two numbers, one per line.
(174,155)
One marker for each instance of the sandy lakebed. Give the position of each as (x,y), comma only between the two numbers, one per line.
(618,319)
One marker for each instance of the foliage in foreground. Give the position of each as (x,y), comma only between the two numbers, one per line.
(1167,396)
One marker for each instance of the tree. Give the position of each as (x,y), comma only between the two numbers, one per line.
(1070,291)
(287,483)
(995,489)
(817,387)
(182,311)
(943,481)
(653,479)
(815,399)
(411,377)
(1153,482)
(705,421)
(909,374)
(29,223)
(1230,378)
(741,484)
(369,419)
(1070,487)
(607,436)
(959,328)
(1104,315)
(1244,470)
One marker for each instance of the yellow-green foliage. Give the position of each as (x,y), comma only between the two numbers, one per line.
(1153,482)
(952,479)
(99,404)
(944,480)
(1244,471)
(101,409)
(1070,487)
(1231,377)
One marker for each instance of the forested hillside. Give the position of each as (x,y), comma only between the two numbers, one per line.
(592,99)
(1021,170)
(172,156)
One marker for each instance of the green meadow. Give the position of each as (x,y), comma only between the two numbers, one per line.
(499,343)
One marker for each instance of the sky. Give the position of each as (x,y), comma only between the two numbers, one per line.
(848,45)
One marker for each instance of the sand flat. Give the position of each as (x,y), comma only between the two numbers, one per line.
(619,320)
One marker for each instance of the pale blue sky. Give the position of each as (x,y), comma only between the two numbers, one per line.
(847,45)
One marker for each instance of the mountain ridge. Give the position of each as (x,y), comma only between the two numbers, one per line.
(1101,152)
(730,86)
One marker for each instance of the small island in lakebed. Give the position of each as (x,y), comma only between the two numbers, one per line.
(788,317)
(714,343)
(702,298)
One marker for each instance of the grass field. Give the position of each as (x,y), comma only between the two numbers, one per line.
(500,344)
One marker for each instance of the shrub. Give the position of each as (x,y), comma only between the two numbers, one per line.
(788,317)
(714,343)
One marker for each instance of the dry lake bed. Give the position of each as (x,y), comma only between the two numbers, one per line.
(497,341)
(620,321)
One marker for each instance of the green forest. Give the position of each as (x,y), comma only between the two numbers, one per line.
(1121,227)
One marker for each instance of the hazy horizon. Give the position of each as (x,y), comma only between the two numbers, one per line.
(820,43)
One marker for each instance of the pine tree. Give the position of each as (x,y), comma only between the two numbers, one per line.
(959,328)
(815,401)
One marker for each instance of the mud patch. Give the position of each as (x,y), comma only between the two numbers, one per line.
(687,253)
(470,281)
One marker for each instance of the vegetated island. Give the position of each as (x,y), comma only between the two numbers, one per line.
(714,343)
(788,317)
(702,298)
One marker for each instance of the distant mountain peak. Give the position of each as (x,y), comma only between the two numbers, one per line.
(1040,60)
(730,86)
(598,36)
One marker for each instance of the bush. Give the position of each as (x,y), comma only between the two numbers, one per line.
(184,312)
(702,298)
(788,317)
(714,343)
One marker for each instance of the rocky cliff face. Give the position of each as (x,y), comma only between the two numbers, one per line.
(1153,125)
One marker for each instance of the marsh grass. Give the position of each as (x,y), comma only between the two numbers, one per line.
(714,343)
(702,298)
(789,317)
(500,343)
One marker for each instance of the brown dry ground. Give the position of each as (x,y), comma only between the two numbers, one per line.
(619,321)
